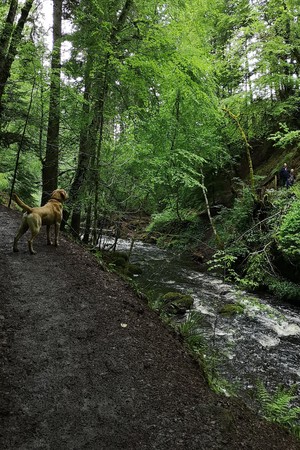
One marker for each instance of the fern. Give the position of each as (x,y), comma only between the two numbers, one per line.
(278,407)
(190,331)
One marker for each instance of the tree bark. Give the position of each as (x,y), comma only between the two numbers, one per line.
(211,221)
(248,147)
(92,135)
(99,117)
(50,163)
(20,147)
(7,32)
(9,41)
(88,224)
(84,158)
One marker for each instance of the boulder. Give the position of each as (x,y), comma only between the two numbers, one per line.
(176,303)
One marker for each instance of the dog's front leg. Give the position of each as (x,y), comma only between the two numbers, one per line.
(57,227)
(48,235)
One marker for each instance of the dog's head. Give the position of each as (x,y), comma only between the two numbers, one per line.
(60,195)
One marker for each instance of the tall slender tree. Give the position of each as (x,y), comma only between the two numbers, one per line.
(10,39)
(51,160)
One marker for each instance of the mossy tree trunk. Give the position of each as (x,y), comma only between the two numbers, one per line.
(9,41)
(247,145)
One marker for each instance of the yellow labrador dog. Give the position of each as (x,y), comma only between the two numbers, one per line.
(34,218)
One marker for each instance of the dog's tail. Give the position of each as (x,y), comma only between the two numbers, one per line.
(21,204)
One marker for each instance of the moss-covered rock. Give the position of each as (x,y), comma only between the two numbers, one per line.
(119,259)
(231,309)
(176,302)
(119,262)
(132,269)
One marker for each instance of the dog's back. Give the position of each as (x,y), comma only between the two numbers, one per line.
(49,214)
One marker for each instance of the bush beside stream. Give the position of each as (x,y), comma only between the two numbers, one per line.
(259,239)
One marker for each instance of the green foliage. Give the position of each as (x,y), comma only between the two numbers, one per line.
(146,94)
(285,137)
(27,175)
(277,407)
(231,309)
(257,270)
(4,182)
(284,289)
(261,242)
(191,331)
(173,303)
(289,233)
(177,228)
(169,219)
(222,263)
(234,221)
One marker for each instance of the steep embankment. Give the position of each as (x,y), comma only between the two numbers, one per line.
(86,365)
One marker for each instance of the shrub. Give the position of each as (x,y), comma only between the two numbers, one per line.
(289,233)
(278,407)
(234,221)
(284,289)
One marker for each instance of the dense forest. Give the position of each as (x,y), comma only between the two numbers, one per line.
(178,111)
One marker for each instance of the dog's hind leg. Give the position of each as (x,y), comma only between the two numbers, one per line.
(22,230)
(35,223)
(30,241)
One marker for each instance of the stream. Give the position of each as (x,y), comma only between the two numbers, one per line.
(261,344)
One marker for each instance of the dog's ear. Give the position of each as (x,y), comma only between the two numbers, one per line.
(63,194)
(59,194)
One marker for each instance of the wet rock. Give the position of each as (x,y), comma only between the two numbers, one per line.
(133,269)
(176,303)
(198,256)
(231,309)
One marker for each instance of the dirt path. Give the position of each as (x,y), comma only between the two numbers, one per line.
(86,365)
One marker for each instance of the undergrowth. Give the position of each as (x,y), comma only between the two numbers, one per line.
(177,229)
(278,407)
(261,242)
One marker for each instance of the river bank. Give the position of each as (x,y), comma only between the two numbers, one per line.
(86,364)
(257,346)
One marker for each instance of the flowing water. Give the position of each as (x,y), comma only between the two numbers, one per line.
(262,343)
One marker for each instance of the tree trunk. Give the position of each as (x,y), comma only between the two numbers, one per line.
(50,163)
(248,147)
(92,135)
(99,124)
(84,158)
(7,32)
(75,223)
(21,146)
(9,41)
(99,116)
(211,221)
(88,224)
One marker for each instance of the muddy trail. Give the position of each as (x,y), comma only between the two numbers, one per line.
(85,364)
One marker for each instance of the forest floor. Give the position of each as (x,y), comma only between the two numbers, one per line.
(85,364)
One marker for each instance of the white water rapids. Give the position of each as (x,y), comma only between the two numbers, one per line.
(261,344)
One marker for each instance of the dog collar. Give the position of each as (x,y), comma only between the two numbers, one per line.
(55,200)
